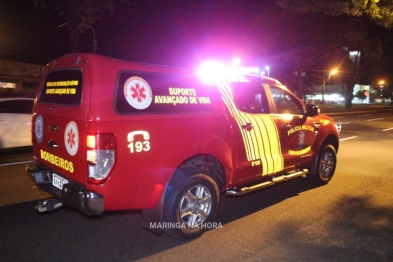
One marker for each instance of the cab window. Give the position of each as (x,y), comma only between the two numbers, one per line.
(250,97)
(285,102)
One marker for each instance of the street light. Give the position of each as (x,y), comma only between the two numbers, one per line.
(324,83)
(381,86)
(268,70)
(332,73)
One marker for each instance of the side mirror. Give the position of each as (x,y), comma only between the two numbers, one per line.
(312,110)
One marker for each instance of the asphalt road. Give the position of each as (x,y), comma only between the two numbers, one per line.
(350,219)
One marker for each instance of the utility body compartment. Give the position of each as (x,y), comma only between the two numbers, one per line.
(113,135)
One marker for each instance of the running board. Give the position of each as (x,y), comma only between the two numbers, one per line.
(275,180)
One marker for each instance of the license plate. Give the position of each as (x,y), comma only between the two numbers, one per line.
(58,181)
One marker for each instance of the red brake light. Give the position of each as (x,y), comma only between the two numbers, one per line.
(100,156)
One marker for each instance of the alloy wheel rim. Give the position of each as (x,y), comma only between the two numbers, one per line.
(327,165)
(195,206)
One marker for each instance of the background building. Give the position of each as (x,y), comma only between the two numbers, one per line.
(335,94)
(19,79)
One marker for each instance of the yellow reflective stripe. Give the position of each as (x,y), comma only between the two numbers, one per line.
(240,118)
(271,143)
(252,137)
(228,100)
(266,143)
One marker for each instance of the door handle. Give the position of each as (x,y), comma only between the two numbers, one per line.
(53,127)
(248,126)
(287,126)
(53,144)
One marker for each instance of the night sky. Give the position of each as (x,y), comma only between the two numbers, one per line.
(171,32)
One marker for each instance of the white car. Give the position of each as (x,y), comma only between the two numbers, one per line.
(15,119)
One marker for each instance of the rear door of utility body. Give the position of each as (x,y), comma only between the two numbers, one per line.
(59,122)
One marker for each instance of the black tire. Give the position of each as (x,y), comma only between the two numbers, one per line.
(190,206)
(325,166)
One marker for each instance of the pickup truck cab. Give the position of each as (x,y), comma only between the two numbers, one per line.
(116,135)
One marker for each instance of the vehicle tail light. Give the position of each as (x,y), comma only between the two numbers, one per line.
(100,155)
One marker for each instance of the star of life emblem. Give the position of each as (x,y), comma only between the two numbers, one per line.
(71,138)
(38,128)
(138,93)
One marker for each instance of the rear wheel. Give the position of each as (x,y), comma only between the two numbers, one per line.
(325,166)
(190,207)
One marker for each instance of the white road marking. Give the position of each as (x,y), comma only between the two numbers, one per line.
(375,119)
(348,138)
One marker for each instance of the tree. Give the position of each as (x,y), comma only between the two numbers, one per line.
(79,14)
(359,56)
(361,95)
(353,35)
(301,40)
(380,12)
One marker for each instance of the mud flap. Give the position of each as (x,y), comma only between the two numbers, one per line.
(152,218)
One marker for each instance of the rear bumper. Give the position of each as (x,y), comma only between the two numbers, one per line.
(73,194)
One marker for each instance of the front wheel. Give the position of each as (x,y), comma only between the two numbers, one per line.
(190,207)
(325,166)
